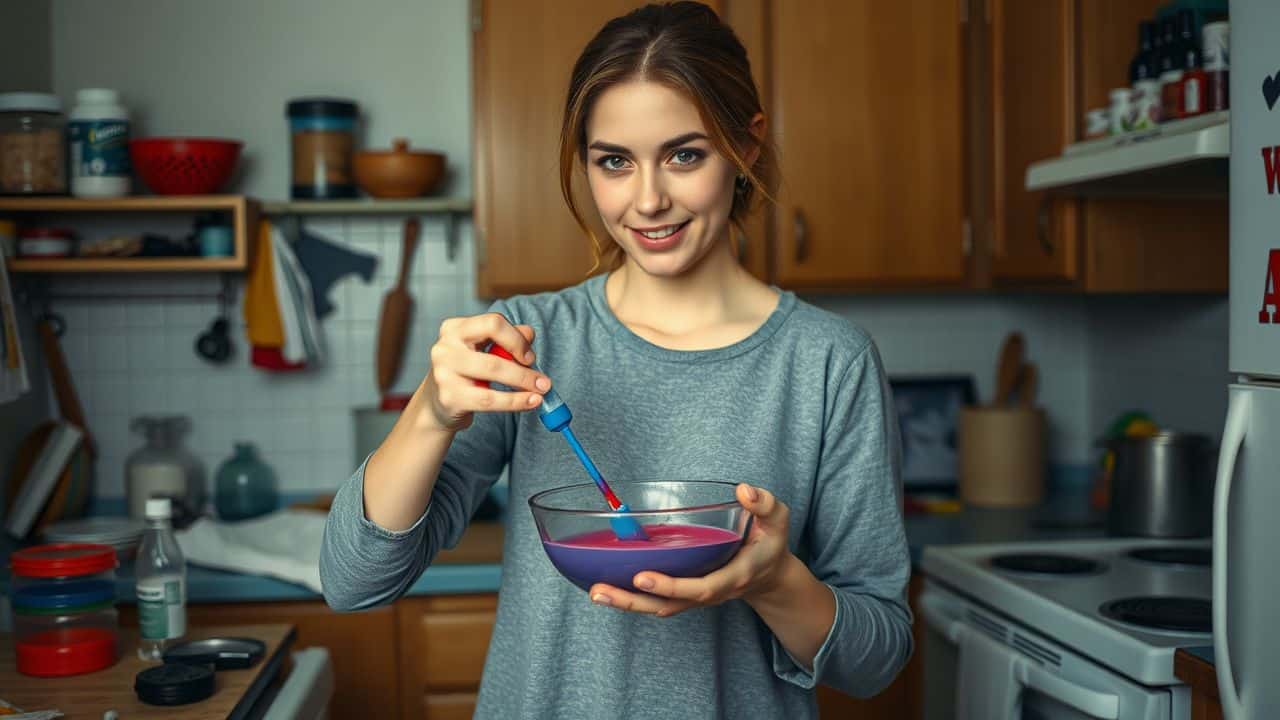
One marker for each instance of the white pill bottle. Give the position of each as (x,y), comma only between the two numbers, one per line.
(98,145)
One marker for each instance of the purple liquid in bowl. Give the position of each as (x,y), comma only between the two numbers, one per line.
(672,549)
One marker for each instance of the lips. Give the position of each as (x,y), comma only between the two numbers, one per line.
(661,243)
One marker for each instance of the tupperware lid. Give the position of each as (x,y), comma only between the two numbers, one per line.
(62,560)
(68,596)
(333,107)
(174,684)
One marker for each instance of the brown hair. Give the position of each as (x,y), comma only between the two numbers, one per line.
(684,46)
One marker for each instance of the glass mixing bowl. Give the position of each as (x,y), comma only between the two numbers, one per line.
(694,528)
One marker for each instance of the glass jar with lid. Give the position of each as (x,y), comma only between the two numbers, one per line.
(164,467)
(322,143)
(33,154)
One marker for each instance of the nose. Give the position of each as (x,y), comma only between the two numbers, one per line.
(651,194)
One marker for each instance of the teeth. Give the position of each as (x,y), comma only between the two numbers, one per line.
(659,234)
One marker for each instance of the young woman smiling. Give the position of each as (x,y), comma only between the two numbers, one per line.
(679,365)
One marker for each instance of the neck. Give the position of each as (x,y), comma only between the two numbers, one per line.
(715,291)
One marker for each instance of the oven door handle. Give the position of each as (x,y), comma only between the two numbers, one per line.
(1105,706)
(1090,702)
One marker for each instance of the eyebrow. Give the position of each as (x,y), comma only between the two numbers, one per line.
(668,145)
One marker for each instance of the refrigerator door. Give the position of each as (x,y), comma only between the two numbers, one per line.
(1246,538)
(1255,188)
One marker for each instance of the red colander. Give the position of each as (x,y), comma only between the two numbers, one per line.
(184,166)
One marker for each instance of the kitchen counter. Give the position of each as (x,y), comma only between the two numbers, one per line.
(1063,517)
(89,695)
(474,566)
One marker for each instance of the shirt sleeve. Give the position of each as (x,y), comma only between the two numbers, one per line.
(363,565)
(856,541)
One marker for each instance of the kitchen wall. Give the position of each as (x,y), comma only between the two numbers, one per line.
(1165,355)
(24,67)
(227,69)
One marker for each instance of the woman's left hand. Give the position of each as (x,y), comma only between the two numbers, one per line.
(755,570)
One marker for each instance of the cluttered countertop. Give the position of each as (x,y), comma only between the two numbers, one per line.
(475,565)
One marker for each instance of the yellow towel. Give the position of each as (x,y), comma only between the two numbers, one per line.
(261,310)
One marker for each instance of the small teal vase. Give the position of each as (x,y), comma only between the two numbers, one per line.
(245,486)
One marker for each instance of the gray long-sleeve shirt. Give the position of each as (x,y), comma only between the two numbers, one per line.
(801,407)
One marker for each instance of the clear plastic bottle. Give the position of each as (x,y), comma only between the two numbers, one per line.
(161,576)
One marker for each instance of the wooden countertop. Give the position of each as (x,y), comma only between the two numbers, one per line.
(1203,679)
(89,695)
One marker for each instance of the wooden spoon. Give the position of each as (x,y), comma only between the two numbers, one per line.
(1028,380)
(1008,368)
(397,309)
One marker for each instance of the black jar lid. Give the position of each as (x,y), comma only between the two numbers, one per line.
(327,106)
(174,684)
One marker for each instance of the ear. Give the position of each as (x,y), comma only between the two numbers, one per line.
(757,127)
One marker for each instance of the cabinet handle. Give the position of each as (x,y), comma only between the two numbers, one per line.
(1042,226)
(802,236)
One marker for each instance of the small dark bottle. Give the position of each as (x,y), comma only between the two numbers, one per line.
(1143,65)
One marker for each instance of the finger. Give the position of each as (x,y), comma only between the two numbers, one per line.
(480,330)
(484,368)
(459,395)
(761,503)
(715,587)
(620,599)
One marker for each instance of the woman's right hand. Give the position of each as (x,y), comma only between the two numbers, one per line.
(458,360)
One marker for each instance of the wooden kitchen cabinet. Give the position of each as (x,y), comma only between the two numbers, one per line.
(1050,62)
(443,641)
(522,54)
(868,111)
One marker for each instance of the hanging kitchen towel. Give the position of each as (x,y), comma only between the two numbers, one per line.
(13,368)
(325,262)
(284,544)
(302,341)
(261,311)
(987,687)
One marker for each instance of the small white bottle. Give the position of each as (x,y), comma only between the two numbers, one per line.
(98,145)
(161,576)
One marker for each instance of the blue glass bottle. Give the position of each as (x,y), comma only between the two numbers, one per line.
(246,486)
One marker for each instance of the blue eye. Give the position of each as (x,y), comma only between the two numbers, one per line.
(612,162)
(686,156)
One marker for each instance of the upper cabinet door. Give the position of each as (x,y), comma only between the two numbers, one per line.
(1034,237)
(522,54)
(869,115)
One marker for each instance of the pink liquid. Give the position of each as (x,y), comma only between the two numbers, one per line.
(672,549)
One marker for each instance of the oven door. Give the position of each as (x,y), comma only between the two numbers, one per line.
(1013,674)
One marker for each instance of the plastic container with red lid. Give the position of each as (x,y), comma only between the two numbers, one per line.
(64,615)
(46,242)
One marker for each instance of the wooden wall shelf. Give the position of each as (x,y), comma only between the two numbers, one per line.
(244,213)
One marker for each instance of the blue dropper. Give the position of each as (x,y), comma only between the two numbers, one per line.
(555,416)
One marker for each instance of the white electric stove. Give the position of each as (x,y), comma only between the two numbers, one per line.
(1069,629)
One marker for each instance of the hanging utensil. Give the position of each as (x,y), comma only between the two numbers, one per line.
(1008,368)
(397,309)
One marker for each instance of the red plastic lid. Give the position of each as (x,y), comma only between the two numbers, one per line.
(63,560)
(69,651)
(46,233)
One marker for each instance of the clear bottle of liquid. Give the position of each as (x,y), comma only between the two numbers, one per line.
(161,574)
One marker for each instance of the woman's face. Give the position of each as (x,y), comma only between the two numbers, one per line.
(663,192)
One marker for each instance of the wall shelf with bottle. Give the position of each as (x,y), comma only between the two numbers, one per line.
(1180,157)
(240,215)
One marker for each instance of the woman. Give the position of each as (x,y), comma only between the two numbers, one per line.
(677,364)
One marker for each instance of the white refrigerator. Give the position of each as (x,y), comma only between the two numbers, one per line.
(1246,528)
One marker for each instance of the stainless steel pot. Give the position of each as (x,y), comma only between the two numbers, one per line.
(1162,486)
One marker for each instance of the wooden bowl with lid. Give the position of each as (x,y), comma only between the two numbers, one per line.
(399,172)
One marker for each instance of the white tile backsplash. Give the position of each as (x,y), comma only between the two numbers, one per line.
(136,356)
